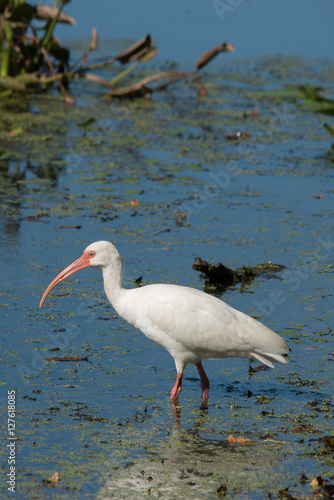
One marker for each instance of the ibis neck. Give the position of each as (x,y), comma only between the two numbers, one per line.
(112,278)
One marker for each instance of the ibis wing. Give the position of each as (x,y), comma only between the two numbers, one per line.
(205,325)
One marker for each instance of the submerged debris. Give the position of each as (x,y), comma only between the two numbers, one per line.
(68,358)
(238,135)
(239,440)
(219,275)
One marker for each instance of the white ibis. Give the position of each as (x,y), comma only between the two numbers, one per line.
(192,325)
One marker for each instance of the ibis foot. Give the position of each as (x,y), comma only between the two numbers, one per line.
(205,384)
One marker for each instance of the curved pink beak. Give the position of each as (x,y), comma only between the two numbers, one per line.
(78,264)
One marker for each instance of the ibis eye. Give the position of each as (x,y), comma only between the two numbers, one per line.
(91,254)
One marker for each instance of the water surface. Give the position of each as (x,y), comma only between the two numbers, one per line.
(106,425)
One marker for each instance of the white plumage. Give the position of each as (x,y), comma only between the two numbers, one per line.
(190,324)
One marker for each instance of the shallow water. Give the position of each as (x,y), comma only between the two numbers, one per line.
(247,201)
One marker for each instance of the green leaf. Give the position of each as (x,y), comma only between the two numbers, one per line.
(8,82)
(29,79)
(148,55)
(5,93)
(7,29)
(8,155)
(16,131)
(286,93)
(329,128)
(87,122)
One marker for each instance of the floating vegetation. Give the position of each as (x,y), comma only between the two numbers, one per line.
(220,277)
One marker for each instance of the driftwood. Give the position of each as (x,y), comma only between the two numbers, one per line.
(218,275)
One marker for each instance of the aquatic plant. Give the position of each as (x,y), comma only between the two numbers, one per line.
(31,57)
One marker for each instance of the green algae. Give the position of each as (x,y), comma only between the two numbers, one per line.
(115,433)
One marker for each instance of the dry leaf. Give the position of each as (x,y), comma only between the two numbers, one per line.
(93,43)
(68,99)
(98,79)
(210,54)
(202,91)
(134,203)
(260,368)
(317,481)
(47,12)
(34,219)
(161,75)
(239,440)
(180,217)
(299,428)
(15,132)
(312,404)
(136,50)
(237,135)
(328,441)
(175,79)
(54,479)
(252,114)
(67,358)
(68,227)
(140,89)
(133,91)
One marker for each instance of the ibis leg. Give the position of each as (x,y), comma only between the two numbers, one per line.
(176,391)
(204,381)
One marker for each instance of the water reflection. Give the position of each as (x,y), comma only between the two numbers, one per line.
(176,408)
(16,170)
(188,462)
(15,176)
